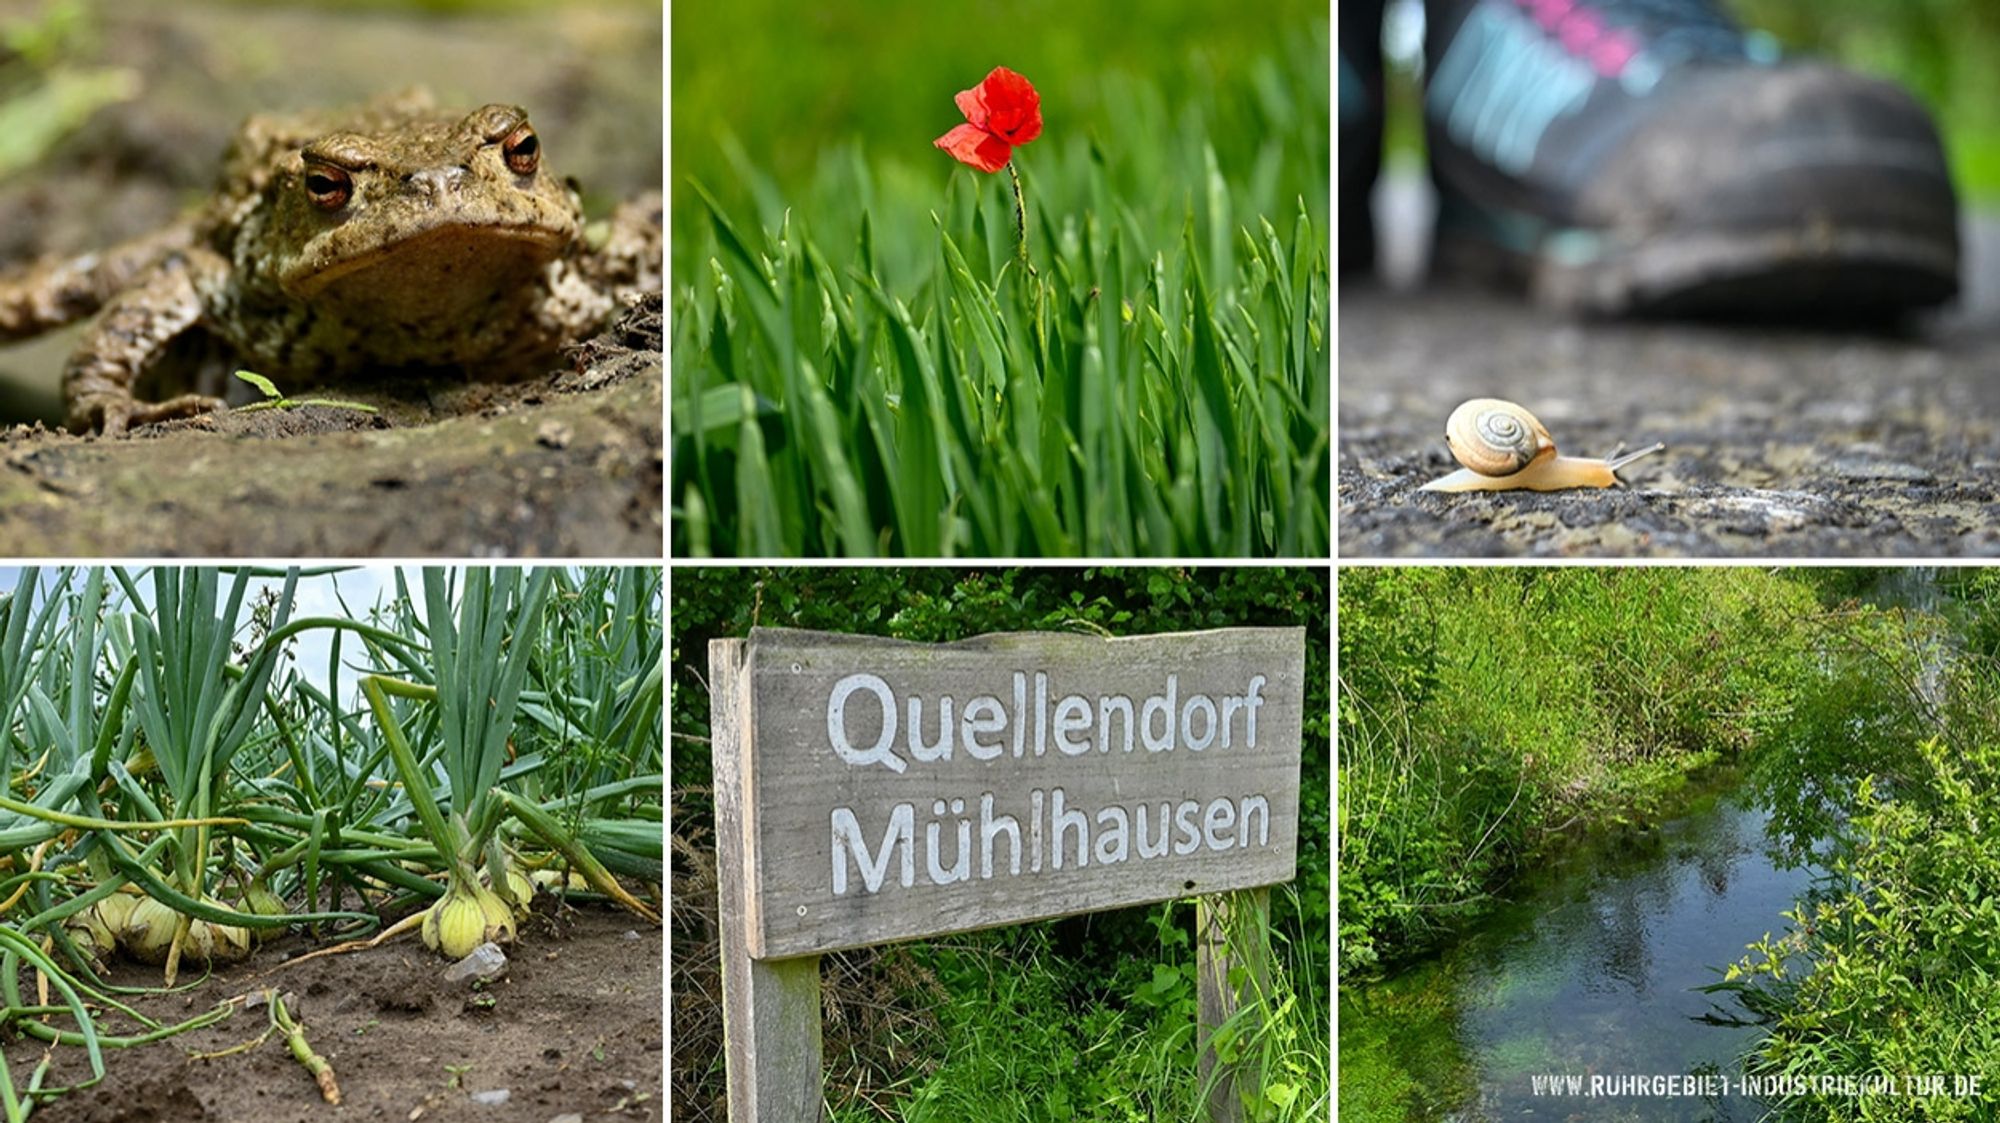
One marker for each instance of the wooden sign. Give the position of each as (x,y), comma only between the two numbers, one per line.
(890,790)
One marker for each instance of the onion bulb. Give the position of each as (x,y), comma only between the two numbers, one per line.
(258,899)
(553,880)
(464,918)
(100,924)
(519,888)
(149,931)
(148,935)
(499,917)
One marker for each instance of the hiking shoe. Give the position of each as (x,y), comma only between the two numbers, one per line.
(1360,104)
(1650,157)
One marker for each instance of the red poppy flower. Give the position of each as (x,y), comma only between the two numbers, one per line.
(1001,112)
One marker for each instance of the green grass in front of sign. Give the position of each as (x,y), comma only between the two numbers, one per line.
(1029,1038)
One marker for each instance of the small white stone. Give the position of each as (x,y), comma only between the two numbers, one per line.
(492,1097)
(486,963)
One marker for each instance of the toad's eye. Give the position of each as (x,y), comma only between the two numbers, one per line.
(522,150)
(328,187)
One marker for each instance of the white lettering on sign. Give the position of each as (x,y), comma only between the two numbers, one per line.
(899,789)
(1196,723)
(1109,835)
(836,722)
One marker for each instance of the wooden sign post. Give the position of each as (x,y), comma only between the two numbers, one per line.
(870,790)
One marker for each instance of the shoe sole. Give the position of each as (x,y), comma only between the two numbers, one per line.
(1816,270)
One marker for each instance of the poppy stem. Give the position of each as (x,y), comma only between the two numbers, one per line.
(1020,220)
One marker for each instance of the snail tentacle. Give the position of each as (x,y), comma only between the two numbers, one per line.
(1616,461)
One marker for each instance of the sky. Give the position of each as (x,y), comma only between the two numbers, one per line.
(362,587)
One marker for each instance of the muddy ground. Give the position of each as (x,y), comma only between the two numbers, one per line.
(572,1030)
(568,465)
(1781,442)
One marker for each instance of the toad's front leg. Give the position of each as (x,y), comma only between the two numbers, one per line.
(127,339)
(55,291)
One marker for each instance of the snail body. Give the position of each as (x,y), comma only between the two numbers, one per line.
(1505,448)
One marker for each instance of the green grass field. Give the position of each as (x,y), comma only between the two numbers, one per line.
(861,364)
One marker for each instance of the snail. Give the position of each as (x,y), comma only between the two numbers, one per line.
(1504,448)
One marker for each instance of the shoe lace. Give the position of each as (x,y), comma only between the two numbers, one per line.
(1689,28)
(1685,28)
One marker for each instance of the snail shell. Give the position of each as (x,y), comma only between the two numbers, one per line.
(1496,438)
(1504,448)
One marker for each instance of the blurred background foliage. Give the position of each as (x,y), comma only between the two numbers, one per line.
(114,114)
(44,95)
(446,7)
(63,60)
(1946,51)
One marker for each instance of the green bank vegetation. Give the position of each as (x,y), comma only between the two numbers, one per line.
(863,366)
(1485,713)
(1088,1018)
(1491,716)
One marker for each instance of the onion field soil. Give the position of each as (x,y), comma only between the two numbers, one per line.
(260,826)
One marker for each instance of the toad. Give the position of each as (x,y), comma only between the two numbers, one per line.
(390,237)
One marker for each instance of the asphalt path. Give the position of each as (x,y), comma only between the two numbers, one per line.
(1782,442)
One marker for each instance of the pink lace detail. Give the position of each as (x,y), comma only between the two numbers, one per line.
(1608,50)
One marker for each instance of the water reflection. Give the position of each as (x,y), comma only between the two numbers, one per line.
(1592,971)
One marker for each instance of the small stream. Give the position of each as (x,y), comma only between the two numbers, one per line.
(1589,969)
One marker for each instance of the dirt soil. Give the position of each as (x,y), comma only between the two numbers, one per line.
(567,465)
(1781,442)
(564,467)
(573,1029)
